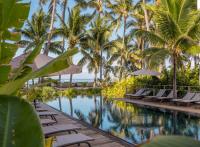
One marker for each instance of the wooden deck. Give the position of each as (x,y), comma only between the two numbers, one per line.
(163,106)
(102,139)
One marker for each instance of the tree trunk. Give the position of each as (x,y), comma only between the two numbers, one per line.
(63,41)
(71,77)
(71,106)
(145,15)
(33,83)
(101,54)
(101,66)
(174,77)
(124,48)
(51,28)
(95,79)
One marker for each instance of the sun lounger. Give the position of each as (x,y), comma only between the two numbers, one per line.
(146,93)
(46,122)
(54,129)
(72,139)
(47,113)
(188,96)
(41,109)
(196,98)
(138,93)
(160,93)
(169,96)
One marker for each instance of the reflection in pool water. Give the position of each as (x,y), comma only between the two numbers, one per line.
(130,122)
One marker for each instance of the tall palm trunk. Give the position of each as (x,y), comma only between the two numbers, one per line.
(95,78)
(71,106)
(101,65)
(51,27)
(124,47)
(101,54)
(145,15)
(174,76)
(63,41)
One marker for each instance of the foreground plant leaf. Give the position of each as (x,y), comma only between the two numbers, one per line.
(19,124)
(172,141)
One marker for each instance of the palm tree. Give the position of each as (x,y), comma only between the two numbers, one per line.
(98,6)
(121,9)
(176,33)
(130,56)
(92,59)
(64,7)
(73,30)
(95,4)
(35,32)
(139,22)
(52,11)
(97,40)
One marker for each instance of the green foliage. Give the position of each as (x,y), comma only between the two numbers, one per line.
(118,90)
(40,93)
(13,79)
(172,141)
(73,92)
(48,93)
(19,124)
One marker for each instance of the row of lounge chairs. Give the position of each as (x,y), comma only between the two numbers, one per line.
(190,97)
(52,129)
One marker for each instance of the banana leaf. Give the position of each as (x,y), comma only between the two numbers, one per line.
(19,124)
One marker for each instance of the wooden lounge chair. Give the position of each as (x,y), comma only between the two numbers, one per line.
(146,93)
(138,93)
(168,97)
(188,96)
(46,122)
(47,113)
(72,139)
(54,129)
(41,109)
(196,98)
(160,93)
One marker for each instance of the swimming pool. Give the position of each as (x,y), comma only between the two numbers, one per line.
(127,121)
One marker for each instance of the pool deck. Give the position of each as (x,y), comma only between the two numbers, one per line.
(162,106)
(102,139)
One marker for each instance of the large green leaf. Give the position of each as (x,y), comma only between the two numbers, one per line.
(58,64)
(172,141)
(13,13)
(4,73)
(8,50)
(19,124)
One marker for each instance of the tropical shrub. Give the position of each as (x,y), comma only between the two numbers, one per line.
(40,93)
(118,90)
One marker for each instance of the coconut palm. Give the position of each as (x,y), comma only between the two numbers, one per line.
(120,9)
(95,4)
(97,40)
(92,59)
(63,6)
(98,6)
(35,32)
(176,33)
(52,11)
(130,57)
(73,30)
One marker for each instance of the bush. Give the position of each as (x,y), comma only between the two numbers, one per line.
(40,93)
(118,90)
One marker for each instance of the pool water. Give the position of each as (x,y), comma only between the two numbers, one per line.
(130,122)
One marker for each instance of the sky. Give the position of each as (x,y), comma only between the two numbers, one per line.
(84,75)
